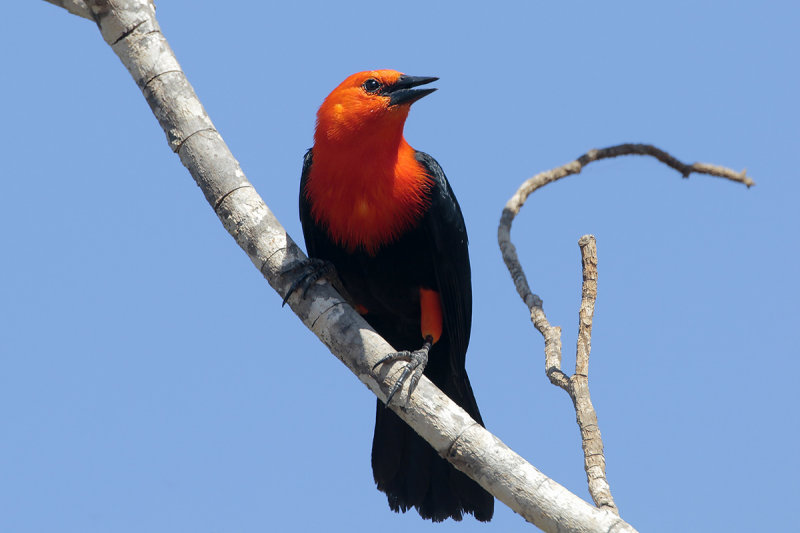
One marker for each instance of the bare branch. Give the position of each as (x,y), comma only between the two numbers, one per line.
(76,7)
(577,386)
(594,459)
(540,180)
(130,28)
(588,297)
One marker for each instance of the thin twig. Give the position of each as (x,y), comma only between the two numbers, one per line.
(588,296)
(577,386)
(594,460)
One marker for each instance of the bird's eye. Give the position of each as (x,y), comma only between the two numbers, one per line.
(371,85)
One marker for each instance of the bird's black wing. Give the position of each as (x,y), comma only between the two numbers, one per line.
(444,225)
(311,232)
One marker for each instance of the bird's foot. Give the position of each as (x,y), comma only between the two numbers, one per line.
(416,365)
(309,271)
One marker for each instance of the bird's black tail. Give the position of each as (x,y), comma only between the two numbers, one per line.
(412,474)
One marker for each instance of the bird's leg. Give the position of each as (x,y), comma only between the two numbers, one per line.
(310,271)
(416,365)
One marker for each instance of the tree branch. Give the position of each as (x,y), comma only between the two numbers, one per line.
(130,28)
(76,7)
(594,460)
(577,386)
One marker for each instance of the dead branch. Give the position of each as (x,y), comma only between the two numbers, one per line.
(577,386)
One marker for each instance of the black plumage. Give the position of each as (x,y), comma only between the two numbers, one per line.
(432,254)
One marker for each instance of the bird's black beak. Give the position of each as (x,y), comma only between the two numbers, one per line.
(401,91)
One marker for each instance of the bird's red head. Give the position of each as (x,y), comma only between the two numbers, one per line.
(375,102)
(365,184)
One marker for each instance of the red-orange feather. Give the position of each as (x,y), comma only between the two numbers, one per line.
(366,187)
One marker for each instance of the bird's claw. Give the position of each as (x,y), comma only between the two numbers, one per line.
(417,360)
(311,270)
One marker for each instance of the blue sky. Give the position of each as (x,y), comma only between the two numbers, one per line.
(150,380)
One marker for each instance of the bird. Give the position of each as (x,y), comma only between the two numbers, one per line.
(382,218)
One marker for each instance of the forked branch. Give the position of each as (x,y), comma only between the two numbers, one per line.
(577,385)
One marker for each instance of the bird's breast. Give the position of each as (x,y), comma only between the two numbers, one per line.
(369,205)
